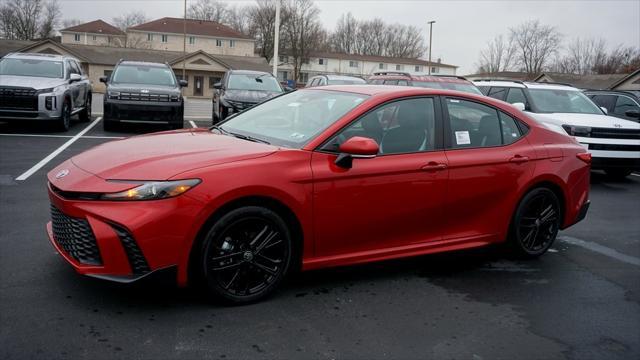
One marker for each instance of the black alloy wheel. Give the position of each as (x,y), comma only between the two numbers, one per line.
(536,223)
(246,254)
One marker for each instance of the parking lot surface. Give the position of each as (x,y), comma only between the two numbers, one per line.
(579,301)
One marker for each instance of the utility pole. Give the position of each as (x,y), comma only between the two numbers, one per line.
(430,41)
(276,40)
(184,41)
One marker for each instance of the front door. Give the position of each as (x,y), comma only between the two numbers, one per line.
(198,85)
(391,201)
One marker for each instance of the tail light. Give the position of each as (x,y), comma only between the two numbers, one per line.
(586,157)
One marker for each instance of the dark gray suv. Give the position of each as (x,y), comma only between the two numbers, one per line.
(143,92)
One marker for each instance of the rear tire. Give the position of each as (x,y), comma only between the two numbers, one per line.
(245,255)
(535,224)
(85,114)
(618,174)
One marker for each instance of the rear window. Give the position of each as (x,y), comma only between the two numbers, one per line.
(469,88)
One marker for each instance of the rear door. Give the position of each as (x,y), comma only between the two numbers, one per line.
(489,160)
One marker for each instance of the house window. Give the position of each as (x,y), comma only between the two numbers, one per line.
(213,80)
(399,67)
(149,37)
(76,37)
(109,39)
(305,61)
(218,43)
(418,68)
(283,75)
(94,38)
(353,63)
(165,38)
(107,73)
(382,66)
(232,43)
(192,40)
(283,59)
(320,61)
(434,70)
(304,77)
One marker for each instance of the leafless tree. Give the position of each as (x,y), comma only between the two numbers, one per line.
(133,18)
(210,10)
(262,19)
(621,60)
(499,55)
(536,45)
(581,56)
(28,19)
(238,18)
(50,19)
(345,36)
(302,32)
(67,23)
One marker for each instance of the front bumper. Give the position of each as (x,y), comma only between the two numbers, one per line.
(612,153)
(39,111)
(603,163)
(144,112)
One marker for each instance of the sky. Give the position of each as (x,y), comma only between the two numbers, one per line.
(462,28)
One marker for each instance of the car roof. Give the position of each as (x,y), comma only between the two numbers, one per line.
(142,63)
(523,84)
(38,56)
(612,92)
(393,75)
(248,72)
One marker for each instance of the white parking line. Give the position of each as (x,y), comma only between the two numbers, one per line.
(63,136)
(55,153)
(193,125)
(595,247)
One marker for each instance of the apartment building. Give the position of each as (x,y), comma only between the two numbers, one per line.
(98,33)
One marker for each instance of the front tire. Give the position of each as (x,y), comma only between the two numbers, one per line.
(64,123)
(618,174)
(246,254)
(535,223)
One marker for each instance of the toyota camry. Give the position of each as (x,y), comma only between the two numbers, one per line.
(317,178)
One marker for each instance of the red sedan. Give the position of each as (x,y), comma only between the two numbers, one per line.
(316,178)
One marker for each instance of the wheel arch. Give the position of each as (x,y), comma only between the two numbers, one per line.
(555,185)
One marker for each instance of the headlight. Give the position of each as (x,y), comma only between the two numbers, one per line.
(153,190)
(51,90)
(581,131)
(113,95)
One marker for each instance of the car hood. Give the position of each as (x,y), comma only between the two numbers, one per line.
(249,96)
(30,81)
(163,155)
(592,120)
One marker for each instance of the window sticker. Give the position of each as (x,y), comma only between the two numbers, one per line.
(462,138)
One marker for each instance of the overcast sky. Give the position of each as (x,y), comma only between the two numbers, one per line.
(461,30)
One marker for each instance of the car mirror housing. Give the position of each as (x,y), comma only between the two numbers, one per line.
(357,147)
(74,78)
(633,114)
(520,106)
(103,79)
(183,83)
(217,85)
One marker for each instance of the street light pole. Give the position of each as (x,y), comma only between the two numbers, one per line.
(184,41)
(430,41)
(276,40)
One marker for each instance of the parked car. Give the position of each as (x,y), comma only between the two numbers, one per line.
(317,178)
(622,104)
(449,82)
(47,87)
(143,93)
(614,143)
(242,89)
(321,80)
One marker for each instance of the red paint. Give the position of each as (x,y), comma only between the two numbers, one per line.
(381,208)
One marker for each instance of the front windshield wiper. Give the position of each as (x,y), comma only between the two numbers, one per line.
(217,127)
(247,137)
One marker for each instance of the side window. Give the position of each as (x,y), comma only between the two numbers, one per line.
(484,89)
(377,82)
(472,124)
(322,81)
(499,93)
(606,101)
(623,104)
(510,130)
(516,95)
(391,82)
(403,82)
(403,126)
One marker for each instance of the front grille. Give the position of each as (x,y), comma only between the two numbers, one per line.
(134,254)
(614,147)
(239,105)
(613,133)
(75,237)
(18,98)
(75,195)
(130,96)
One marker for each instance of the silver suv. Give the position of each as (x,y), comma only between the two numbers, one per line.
(43,87)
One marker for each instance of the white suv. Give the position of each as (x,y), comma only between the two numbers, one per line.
(614,143)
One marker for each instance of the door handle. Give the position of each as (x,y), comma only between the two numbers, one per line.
(518,159)
(434,166)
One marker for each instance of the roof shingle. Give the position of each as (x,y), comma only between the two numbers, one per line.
(194,27)
(95,27)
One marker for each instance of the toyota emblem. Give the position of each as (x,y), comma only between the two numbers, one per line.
(62,173)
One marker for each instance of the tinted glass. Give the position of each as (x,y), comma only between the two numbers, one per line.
(472,124)
(510,130)
(293,119)
(516,95)
(32,67)
(403,82)
(377,82)
(499,93)
(623,104)
(264,82)
(403,126)
(562,101)
(470,88)
(346,81)
(606,101)
(484,89)
(391,82)
(143,75)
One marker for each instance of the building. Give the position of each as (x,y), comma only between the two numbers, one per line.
(209,36)
(203,69)
(357,65)
(596,81)
(98,33)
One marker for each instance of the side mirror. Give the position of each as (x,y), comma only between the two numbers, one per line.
(217,85)
(520,106)
(103,79)
(604,109)
(357,147)
(74,78)
(183,83)
(288,89)
(632,114)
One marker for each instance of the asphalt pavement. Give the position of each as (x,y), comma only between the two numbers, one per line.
(579,301)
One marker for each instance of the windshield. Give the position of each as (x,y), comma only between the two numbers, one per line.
(470,88)
(293,119)
(346,81)
(143,75)
(32,67)
(562,101)
(264,82)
